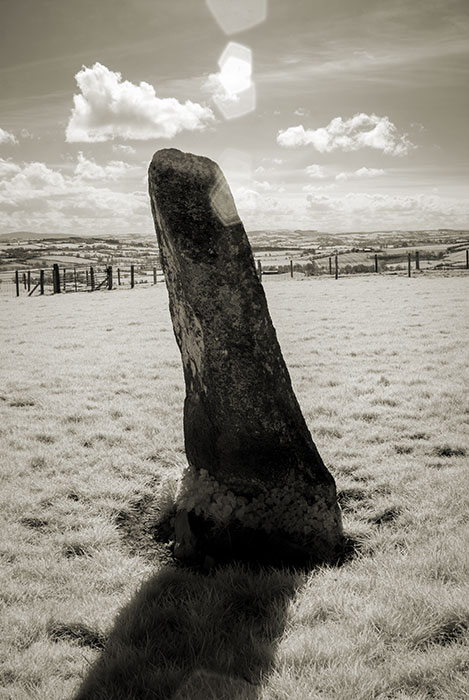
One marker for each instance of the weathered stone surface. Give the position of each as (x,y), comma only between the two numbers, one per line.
(209,684)
(252,459)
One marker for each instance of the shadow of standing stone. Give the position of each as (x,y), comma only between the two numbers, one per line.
(253,466)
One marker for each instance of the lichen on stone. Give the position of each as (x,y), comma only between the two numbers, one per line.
(290,508)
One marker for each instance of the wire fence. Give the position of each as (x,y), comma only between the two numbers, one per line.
(60,280)
(63,280)
(392,261)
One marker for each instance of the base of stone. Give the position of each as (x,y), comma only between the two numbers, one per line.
(209,684)
(201,542)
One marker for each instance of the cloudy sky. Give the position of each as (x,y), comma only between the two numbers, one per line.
(336,115)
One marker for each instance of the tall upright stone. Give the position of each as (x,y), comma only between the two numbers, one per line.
(255,475)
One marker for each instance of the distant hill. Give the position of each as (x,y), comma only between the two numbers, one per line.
(270,238)
(31,235)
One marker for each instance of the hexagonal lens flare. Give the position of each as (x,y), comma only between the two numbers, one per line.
(236,94)
(236,166)
(235,75)
(237,15)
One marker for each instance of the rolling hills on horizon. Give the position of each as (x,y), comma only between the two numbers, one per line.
(282,238)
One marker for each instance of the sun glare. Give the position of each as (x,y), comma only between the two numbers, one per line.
(238,95)
(237,16)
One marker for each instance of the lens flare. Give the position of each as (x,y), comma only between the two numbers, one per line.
(237,93)
(236,16)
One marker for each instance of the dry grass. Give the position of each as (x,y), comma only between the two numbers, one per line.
(91,447)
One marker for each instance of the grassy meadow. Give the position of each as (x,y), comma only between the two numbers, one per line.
(91,449)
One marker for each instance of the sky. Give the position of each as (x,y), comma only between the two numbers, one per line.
(329,115)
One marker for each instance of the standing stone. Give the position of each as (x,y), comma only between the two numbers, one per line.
(255,478)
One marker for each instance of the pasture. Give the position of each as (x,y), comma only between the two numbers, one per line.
(91,397)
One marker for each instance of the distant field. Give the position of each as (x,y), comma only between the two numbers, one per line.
(63,260)
(91,395)
(387,256)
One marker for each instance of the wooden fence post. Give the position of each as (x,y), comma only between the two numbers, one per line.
(132,276)
(259,269)
(291,268)
(92,278)
(24,280)
(409,260)
(109,277)
(75,278)
(330,265)
(17,283)
(376,262)
(154,275)
(417,260)
(65,279)
(467,259)
(336,266)
(56,278)
(29,280)
(41,281)
(119,276)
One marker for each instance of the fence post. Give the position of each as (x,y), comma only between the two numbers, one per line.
(92,278)
(417,260)
(56,278)
(154,275)
(65,279)
(132,276)
(109,277)
(376,262)
(24,280)
(17,282)
(41,281)
(467,259)
(291,268)
(75,278)
(119,276)
(336,266)
(409,260)
(259,269)
(29,280)
(87,281)
(330,265)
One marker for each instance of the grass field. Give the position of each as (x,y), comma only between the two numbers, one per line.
(91,395)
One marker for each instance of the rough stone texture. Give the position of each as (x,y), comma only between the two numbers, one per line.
(243,426)
(213,686)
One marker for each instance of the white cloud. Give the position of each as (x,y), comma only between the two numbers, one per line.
(360,131)
(108,108)
(90,170)
(32,178)
(319,188)
(315,171)
(376,211)
(8,168)
(360,173)
(260,210)
(123,148)
(269,166)
(6,137)
(34,196)
(265,186)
